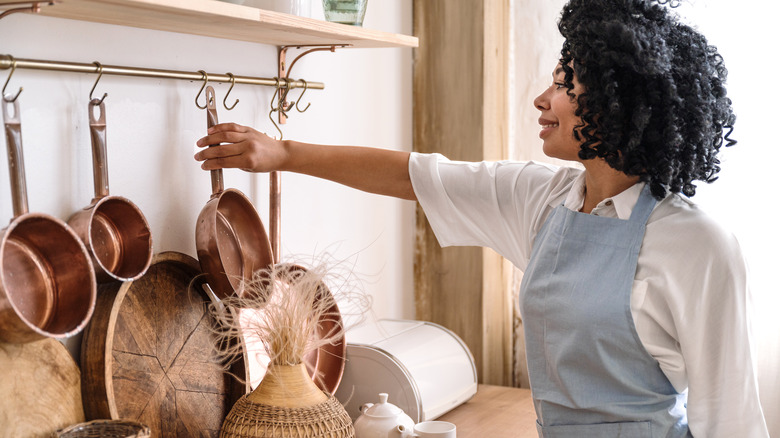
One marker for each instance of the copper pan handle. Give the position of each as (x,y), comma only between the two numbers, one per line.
(217,185)
(13,141)
(97,133)
(275,213)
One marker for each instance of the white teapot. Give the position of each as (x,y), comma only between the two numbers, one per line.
(382,420)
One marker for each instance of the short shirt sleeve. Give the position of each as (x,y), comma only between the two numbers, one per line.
(500,205)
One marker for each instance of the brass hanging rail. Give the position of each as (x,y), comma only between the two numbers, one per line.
(8,61)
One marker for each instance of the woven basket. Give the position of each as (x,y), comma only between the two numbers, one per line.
(105,429)
(248,419)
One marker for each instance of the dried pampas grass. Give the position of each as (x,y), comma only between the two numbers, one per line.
(289,310)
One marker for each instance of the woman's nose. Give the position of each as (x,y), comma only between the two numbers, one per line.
(542,102)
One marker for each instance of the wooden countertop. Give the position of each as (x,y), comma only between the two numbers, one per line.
(495,412)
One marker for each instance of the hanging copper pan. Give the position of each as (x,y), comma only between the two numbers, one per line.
(47,285)
(113,228)
(229,235)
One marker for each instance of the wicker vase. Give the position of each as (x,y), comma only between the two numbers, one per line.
(287,404)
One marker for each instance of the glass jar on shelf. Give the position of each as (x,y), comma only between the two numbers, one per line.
(345,11)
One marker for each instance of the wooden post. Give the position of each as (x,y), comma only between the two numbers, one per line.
(461,95)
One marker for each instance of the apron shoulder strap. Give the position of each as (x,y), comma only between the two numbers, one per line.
(644,206)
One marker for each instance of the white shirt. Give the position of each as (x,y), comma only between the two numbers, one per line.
(690,298)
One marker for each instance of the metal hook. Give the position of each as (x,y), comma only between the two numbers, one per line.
(273,96)
(283,98)
(232,83)
(13,69)
(275,108)
(271,116)
(100,75)
(276,91)
(205,81)
(305,87)
(280,105)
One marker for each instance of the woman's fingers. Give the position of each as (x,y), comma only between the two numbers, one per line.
(220,151)
(234,161)
(225,133)
(227,127)
(221,137)
(240,155)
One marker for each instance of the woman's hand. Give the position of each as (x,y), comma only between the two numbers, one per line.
(240,147)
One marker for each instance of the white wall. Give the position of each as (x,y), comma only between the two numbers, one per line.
(537,47)
(153,125)
(742,198)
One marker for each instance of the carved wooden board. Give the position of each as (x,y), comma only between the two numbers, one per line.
(39,389)
(147,354)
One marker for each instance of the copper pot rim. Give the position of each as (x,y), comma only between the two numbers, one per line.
(94,208)
(86,265)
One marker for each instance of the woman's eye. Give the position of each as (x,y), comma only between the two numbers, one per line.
(559,85)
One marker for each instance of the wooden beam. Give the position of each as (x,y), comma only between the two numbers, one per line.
(461,97)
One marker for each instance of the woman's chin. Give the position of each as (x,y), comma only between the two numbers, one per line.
(554,151)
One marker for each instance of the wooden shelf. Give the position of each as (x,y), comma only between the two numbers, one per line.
(222,20)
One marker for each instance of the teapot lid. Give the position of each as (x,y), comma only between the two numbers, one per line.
(383,408)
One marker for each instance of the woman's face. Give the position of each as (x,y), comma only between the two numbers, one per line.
(558,119)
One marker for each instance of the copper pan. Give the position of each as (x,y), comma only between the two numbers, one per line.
(325,364)
(113,228)
(47,285)
(229,235)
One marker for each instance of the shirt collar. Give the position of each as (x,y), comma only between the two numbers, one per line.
(618,206)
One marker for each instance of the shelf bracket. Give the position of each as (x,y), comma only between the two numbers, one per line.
(32,6)
(284,74)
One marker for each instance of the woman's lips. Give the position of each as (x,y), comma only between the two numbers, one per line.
(547,128)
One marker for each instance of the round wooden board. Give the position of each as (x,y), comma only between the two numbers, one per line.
(40,389)
(147,354)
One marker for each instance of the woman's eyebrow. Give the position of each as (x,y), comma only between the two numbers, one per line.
(558,71)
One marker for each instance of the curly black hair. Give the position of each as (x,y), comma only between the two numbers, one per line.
(654,104)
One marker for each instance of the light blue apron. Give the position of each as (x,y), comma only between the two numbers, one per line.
(590,374)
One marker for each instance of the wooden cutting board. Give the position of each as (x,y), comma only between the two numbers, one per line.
(147,354)
(40,389)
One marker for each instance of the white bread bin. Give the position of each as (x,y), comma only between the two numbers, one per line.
(425,368)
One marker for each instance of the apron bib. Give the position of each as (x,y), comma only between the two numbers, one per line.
(590,374)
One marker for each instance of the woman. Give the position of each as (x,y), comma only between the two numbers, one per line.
(634,302)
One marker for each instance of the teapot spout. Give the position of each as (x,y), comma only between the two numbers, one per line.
(404,432)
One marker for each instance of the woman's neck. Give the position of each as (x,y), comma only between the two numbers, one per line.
(602,182)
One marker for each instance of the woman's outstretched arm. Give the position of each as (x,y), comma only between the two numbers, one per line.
(373,170)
